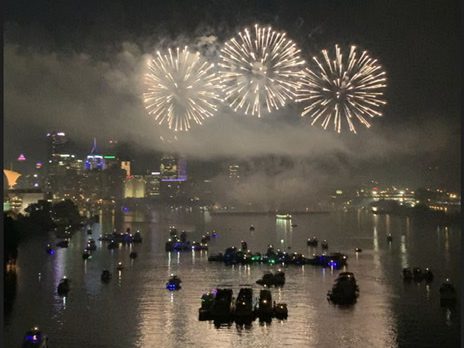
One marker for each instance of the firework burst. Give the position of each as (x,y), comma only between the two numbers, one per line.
(181,88)
(340,91)
(260,70)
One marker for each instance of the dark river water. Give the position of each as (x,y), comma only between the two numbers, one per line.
(135,309)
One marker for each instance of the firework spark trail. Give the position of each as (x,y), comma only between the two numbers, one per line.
(181,88)
(340,91)
(260,70)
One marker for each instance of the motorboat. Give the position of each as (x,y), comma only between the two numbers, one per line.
(91,245)
(265,309)
(417,274)
(244,306)
(270,279)
(448,294)
(204,312)
(199,246)
(63,287)
(428,275)
(407,274)
(86,254)
(173,283)
(133,255)
(294,225)
(50,250)
(106,276)
(312,242)
(244,245)
(137,237)
(389,238)
(63,243)
(324,244)
(345,289)
(205,238)
(283,216)
(281,311)
(252,228)
(358,250)
(120,266)
(113,245)
(89,231)
(222,305)
(35,338)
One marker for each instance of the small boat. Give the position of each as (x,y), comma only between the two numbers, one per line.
(428,275)
(312,242)
(265,309)
(324,245)
(407,274)
(89,231)
(389,238)
(294,225)
(120,266)
(35,338)
(106,276)
(447,294)
(86,254)
(91,245)
(63,243)
(205,238)
(133,255)
(244,245)
(358,250)
(283,216)
(345,289)
(252,228)
(270,279)
(417,274)
(63,287)
(50,250)
(173,283)
(281,311)
(204,312)
(113,245)
(137,237)
(244,306)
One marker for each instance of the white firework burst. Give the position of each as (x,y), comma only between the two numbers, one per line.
(181,88)
(260,70)
(343,91)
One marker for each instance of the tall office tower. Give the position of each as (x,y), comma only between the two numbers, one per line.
(56,146)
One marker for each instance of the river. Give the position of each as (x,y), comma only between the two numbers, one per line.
(135,309)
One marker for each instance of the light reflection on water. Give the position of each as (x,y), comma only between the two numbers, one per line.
(136,303)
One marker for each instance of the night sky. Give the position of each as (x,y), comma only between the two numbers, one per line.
(76,66)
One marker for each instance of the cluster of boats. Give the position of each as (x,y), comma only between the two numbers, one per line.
(448,295)
(220,306)
(232,256)
(180,243)
(115,239)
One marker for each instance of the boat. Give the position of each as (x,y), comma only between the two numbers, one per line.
(113,245)
(252,228)
(269,279)
(63,243)
(244,306)
(427,275)
(281,311)
(389,238)
(173,283)
(345,290)
(294,225)
(86,254)
(120,266)
(106,276)
(244,245)
(407,274)
(137,237)
(358,250)
(35,338)
(89,231)
(50,250)
(417,274)
(283,216)
(447,294)
(133,255)
(265,310)
(63,287)
(204,312)
(324,244)
(222,305)
(199,246)
(312,242)
(91,244)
